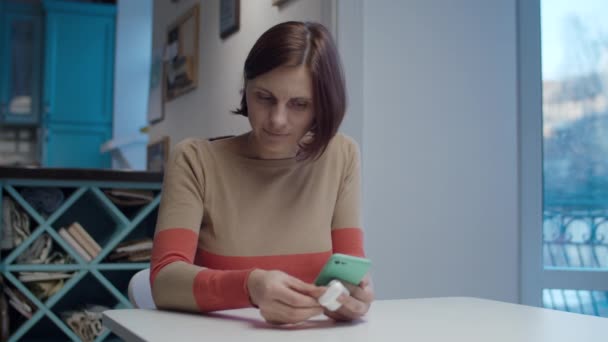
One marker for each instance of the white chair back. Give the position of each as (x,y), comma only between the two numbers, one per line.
(140,292)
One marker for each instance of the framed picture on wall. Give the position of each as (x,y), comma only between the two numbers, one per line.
(157,155)
(181,55)
(155,98)
(230,13)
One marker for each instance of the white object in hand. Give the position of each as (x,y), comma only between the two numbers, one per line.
(329,299)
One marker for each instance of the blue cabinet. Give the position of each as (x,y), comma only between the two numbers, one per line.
(57,73)
(76,146)
(20,63)
(79,63)
(78,83)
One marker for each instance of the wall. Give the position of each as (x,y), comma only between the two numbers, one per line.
(440,147)
(349,38)
(132,78)
(205,111)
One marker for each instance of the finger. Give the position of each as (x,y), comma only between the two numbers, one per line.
(351,287)
(365,294)
(296,299)
(302,314)
(345,314)
(352,307)
(336,316)
(282,314)
(303,287)
(366,281)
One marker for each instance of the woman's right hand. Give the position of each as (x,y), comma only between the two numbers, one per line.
(282,298)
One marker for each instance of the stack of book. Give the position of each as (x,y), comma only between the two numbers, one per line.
(16,225)
(80,240)
(44,284)
(138,250)
(28,277)
(130,197)
(19,302)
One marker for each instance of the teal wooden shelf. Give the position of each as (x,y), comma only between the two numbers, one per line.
(97,282)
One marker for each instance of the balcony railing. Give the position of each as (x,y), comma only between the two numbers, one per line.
(578,238)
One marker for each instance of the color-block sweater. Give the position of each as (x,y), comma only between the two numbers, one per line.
(223,214)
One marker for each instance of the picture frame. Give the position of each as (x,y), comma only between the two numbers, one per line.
(155,110)
(180,72)
(230,17)
(157,154)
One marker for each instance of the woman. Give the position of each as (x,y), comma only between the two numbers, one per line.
(251,220)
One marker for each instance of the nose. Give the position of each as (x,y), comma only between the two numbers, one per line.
(278,117)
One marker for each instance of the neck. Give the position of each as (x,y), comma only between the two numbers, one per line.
(254,150)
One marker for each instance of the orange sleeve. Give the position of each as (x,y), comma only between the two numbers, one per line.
(221,290)
(171,245)
(348,241)
(211,289)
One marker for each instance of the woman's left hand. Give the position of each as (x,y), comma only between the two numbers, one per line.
(357,304)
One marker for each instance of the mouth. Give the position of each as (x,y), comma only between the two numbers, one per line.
(278,135)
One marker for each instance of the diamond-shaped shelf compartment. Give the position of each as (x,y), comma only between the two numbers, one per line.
(120,279)
(44,200)
(42,290)
(46,286)
(138,240)
(44,330)
(118,282)
(31,245)
(18,222)
(92,293)
(97,216)
(43,251)
(130,202)
(141,224)
(20,308)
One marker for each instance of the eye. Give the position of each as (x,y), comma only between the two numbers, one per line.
(299,104)
(264,97)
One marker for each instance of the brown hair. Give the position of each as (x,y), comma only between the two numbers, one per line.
(304,43)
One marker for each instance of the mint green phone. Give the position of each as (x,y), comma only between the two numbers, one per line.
(343,267)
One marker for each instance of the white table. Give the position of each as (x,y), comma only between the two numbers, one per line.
(452,319)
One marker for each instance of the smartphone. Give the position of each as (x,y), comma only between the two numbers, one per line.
(343,267)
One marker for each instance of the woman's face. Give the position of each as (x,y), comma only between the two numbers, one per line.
(280,110)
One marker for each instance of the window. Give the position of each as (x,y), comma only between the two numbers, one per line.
(572,260)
